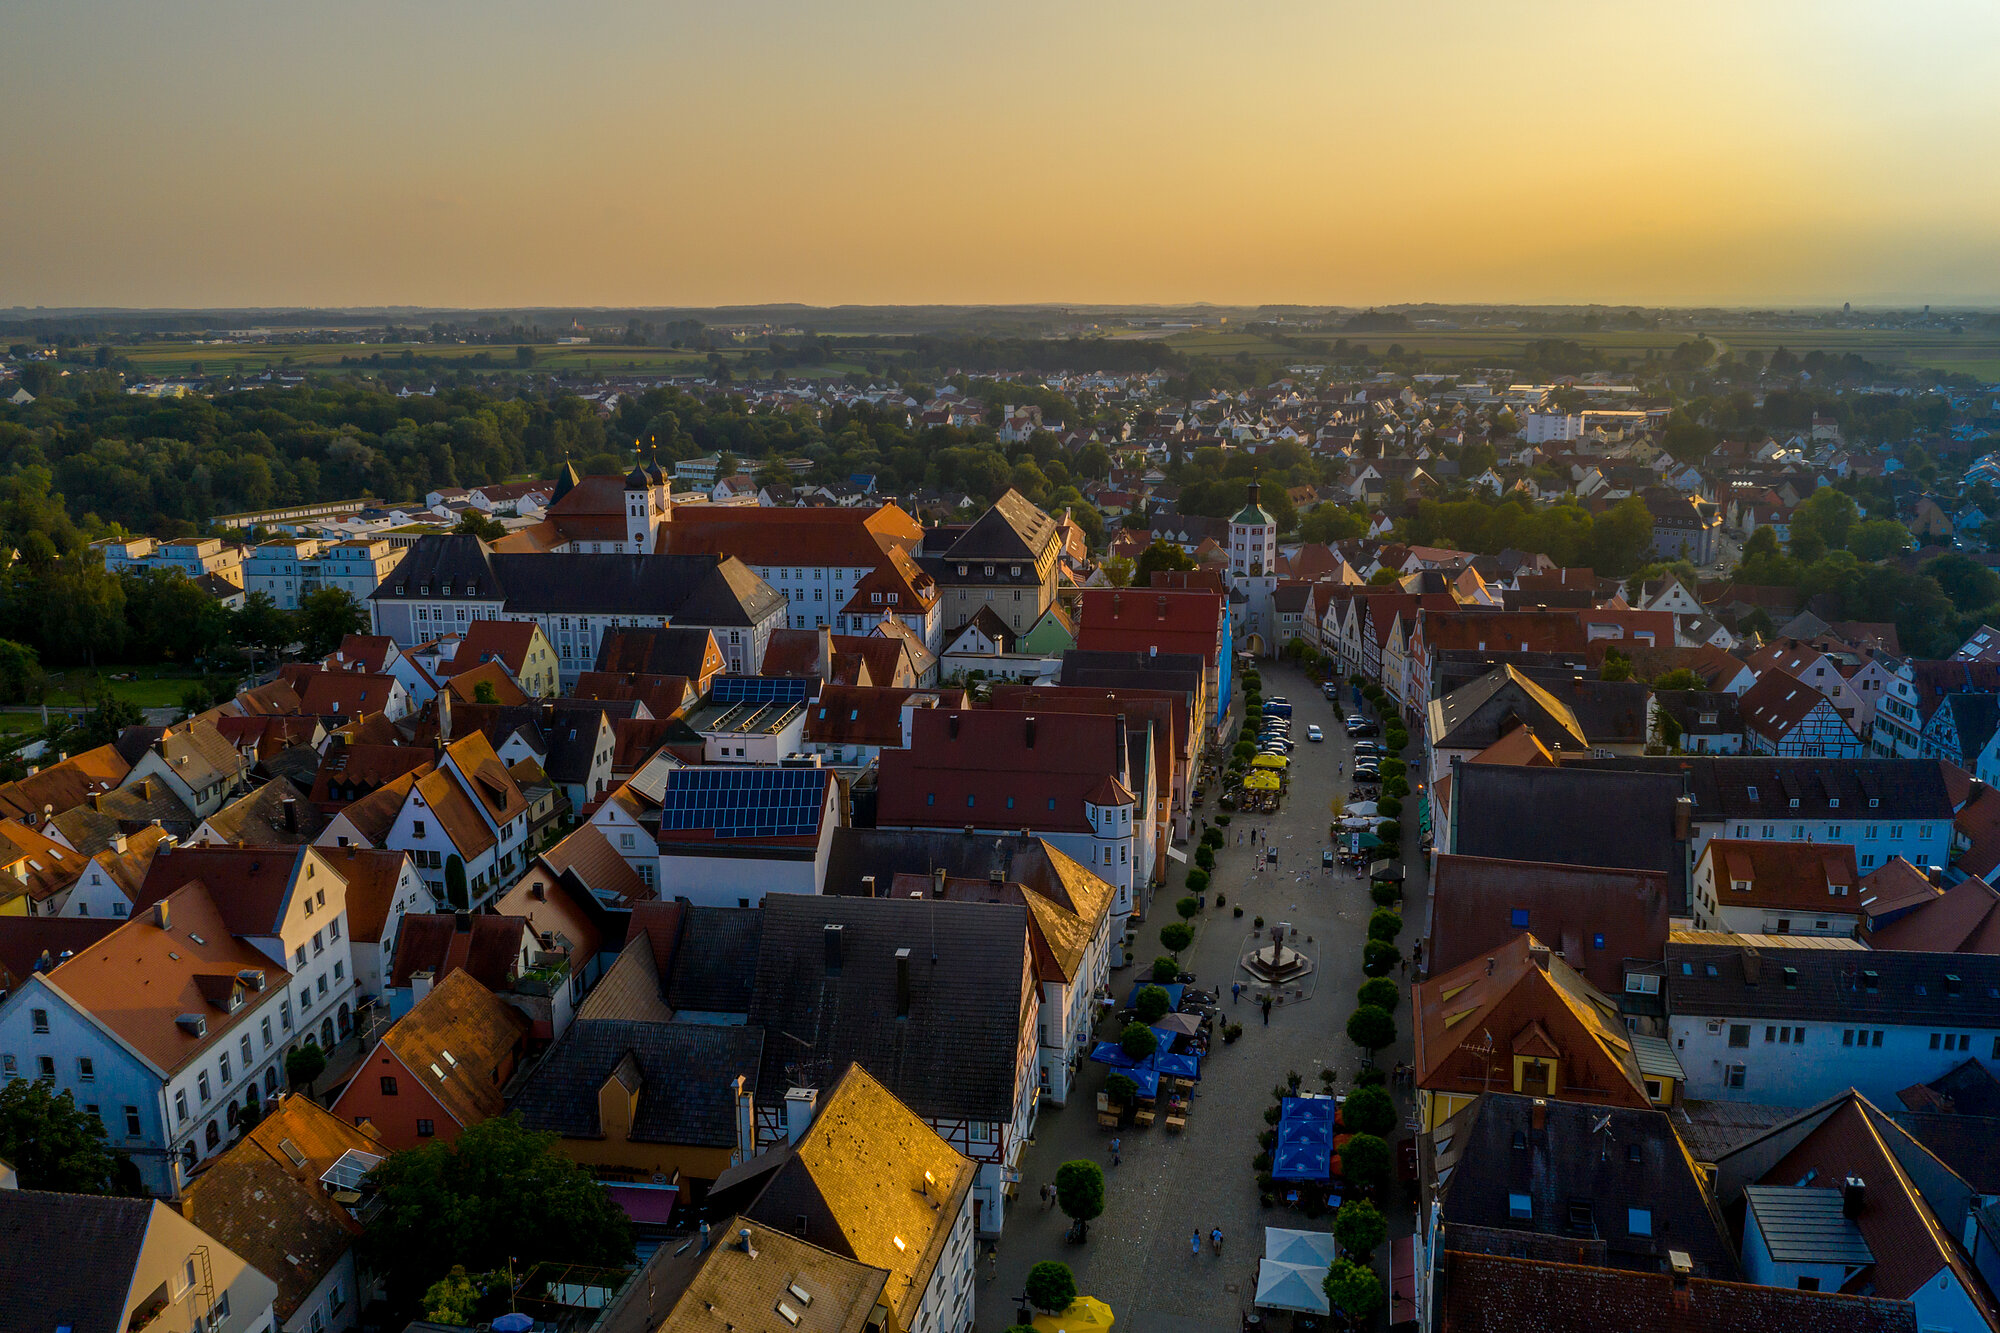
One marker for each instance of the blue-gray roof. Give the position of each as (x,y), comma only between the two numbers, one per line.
(1807,1225)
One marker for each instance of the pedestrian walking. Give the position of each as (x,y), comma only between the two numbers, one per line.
(1267,1011)
(1114,1151)
(1194,1242)
(1235,992)
(1215,1239)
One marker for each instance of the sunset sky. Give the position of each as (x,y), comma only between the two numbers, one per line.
(664,153)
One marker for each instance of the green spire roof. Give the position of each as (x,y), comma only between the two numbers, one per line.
(1252,512)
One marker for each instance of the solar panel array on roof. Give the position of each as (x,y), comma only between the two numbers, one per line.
(744,802)
(761,689)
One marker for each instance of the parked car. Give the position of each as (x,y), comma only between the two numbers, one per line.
(1369,748)
(1367,773)
(1313,733)
(1361,726)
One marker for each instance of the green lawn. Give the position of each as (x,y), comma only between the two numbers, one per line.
(152,686)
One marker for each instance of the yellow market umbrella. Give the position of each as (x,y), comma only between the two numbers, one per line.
(1270,761)
(1262,780)
(1084,1313)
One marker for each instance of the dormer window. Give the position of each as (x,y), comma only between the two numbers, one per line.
(423,590)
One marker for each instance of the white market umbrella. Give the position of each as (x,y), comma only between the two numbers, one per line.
(1308,1249)
(1292,1287)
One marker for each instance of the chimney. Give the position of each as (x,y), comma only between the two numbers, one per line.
(162,914)
(902,983)
(97,800)
(823,658)
(831,935)
(145,789)
(1028,731)
(1752,967)
(462,923)
(746,1121)
(800,1105)
(743,1243)
(1682,1265)
(1683,818)
(951,726)
(1116,602)
(1538,954)
(939,879)
(118,843)
(1853,1194)
(868,885)
(1538,1114)
(420,985)
(1162,607)
(291,804)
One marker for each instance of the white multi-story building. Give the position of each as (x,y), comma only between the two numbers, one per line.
(173,1025)
(194,556)
(283,570)
(1796,1026)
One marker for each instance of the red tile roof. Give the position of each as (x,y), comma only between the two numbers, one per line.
(371,651)
(867,715)
(1778,703)
(1486,1293)
(1150,620)
(487,947)
(998,770)
(1504,631)
(504,641)
(344,693)
(1795,875)
(139,979)
(1910,1245)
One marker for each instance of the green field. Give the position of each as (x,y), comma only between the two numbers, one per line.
(1974,352)
(179,358)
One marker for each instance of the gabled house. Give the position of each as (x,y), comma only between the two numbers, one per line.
(439,1069)
(863,1175)
(1776,888)
(1523,1020)
(193,759)
(953,1039)
(95,1264)
(1886,1213)
(271,1199)
(170,1024)
(1784,716)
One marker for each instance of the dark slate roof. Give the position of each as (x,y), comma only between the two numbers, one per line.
(953,1057)
(670,651)
(1012,529)
(715,963)
(1968,1144)
(98,1241)
(1970,1088)
(1834,985)
(1756,787)
(698,589)
(1689,707)
(1974,717)
(1580,1180)
(445,558)
(687,1071)
(1120,670)
(1579,815)
(694,589)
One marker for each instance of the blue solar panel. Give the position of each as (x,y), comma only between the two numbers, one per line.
(744,802)
(760,689)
